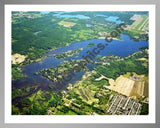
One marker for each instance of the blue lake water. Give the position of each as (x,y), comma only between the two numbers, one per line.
(114,19)
(116,47)
(44,12)
(101,15)
(71,16)
(57,12)
(89,25)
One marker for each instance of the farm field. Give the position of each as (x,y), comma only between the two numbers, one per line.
(86,94)
(127,86)
(122,85)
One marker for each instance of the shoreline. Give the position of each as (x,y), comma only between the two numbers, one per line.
(110,38)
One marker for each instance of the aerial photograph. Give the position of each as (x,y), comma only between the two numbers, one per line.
(80,63)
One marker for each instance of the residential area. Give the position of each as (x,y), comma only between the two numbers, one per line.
(122,105)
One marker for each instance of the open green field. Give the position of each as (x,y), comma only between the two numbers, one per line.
(66,24)
(86,94)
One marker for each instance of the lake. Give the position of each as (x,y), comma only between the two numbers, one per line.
(114,19)
(44,12)
(89,25)
(116,47)
(71,16)
(101,15)
(111,18)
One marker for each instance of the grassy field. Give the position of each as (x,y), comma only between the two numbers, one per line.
(146,89)
(86,94)
(138,89)
(68,113)
(66,24)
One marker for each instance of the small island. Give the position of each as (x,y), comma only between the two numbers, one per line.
(69,53)
(91,44)
(55,73)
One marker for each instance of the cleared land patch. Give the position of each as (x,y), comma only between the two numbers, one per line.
(127,85)
(66,24)
(122,85)
(143,59)
(18,58)
(135,17)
